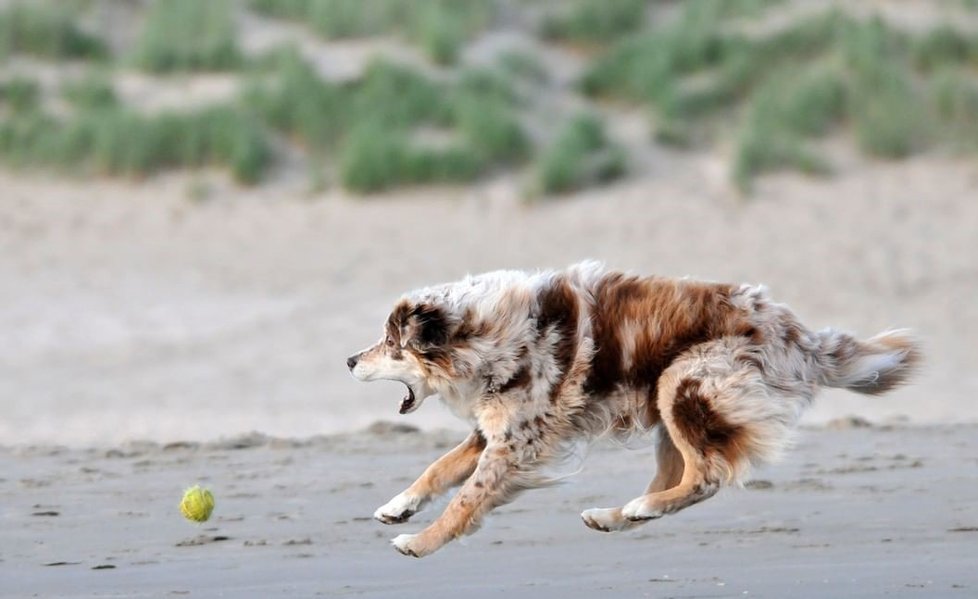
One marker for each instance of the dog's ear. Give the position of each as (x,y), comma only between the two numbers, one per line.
(419,325)
(427,326)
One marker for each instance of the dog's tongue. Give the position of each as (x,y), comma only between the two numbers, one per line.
(408,402)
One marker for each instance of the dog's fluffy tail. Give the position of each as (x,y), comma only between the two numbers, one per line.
(873,366)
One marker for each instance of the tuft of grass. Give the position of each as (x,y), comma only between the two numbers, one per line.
(114,141)
(789,108)
(91,91)
(299,104)
(483,108)
(888,116)
(788,86)
(944,46)
(374,159)
(20,94)
(581,155)
(333,19)
(523,65)
(955,101)
(595,20)
(440,27)
(188,35)
(887,111)
(368,124)
(397,96)
(48,30)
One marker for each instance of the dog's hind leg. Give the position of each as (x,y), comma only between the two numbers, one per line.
(720,417)
(446,472)
(668,474)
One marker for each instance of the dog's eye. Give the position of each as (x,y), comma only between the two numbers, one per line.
(389,341)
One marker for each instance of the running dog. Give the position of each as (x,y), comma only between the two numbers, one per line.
(539,361)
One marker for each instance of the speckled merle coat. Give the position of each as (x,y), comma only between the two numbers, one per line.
(536,361)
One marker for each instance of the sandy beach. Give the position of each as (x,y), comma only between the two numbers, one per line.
(852,512)
(131,313)
(148,322)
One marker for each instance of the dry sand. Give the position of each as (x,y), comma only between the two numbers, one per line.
(857,512)
(129,311)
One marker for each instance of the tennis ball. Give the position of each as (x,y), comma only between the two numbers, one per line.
(197,504)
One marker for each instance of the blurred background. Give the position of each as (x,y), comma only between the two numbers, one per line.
(205,206)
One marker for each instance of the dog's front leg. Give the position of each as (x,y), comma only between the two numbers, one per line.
(446,472)
(491,485)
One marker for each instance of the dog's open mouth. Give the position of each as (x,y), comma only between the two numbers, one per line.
(407,403)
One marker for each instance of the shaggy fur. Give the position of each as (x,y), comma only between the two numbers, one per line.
(719,373)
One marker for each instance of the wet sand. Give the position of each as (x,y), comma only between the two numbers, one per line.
(856,512)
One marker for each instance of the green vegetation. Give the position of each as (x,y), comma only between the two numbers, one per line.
(185,35)
(439,26)
(45,29)
(374,159)
(789,86)
(371,122)
(19,94)
(114,141)
(580,156)
(944,45)
(91,91)
(705,70)
(523,65)
(955,99)
(595,20)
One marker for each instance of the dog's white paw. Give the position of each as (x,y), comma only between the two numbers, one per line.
(407,545)
(606,519)
(398,510)
(639,510)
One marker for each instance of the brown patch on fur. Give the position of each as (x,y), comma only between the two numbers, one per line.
(654,415)
(791,330)
(671,317)
(702,426)
(397,319)
(613,297)
(558,310)
(469,328)
(428,325)
(520,380)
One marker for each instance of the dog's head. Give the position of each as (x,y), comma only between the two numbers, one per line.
(414,350)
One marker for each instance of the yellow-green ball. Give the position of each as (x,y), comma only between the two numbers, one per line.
(197,504)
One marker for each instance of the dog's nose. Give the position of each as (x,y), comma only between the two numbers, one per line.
(351,362)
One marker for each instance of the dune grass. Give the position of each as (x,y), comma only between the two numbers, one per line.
(581,155)
(787,87)
(46,29)
(109,140)
(440,27)
(523,65)
(368,125)
(19,94)
(374,158)
(188,35)
(594,20)
(94,90)
(955,99)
